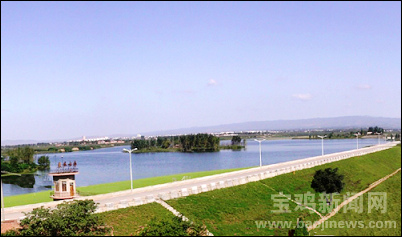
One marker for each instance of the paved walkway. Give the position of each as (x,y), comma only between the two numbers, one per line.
(139,196)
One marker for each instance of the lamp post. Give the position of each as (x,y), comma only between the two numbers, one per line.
(357,139)
(62,164)
(2,198)
(131,169)
(378,137)
(322,143)
(260,149)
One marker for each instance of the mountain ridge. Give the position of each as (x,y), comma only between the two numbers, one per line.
(342,122)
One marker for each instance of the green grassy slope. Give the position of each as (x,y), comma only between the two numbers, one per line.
(233,211)
(377,219)
(128,221)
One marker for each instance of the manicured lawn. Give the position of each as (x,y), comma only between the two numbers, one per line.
(44,196)
(25,199)
(234,211)
(125,185)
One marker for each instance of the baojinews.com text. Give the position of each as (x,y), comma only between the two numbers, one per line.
(326,224)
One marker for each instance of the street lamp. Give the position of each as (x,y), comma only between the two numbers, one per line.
(260,148)
(378,137)
(322,143)
(131,170)
(357,139)
(2,198)
(62,164)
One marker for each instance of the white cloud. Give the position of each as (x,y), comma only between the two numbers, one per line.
(364,87)
(212,82)
(302,96)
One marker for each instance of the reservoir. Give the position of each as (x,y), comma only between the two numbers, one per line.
(111,164)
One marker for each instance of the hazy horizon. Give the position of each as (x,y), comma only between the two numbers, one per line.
(70,69)
(299,124)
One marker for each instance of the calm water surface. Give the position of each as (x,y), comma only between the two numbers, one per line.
(111,164)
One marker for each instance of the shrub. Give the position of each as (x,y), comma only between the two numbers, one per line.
(68,219)
(44,162)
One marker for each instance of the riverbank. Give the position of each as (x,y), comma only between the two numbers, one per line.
(159,149)
(76,148)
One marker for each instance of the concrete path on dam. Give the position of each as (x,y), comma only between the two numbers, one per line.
(139,196)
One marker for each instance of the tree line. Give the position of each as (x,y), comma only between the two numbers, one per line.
(375,130)
(185,143)
(21,159)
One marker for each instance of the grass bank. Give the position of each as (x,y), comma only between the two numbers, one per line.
(125,185)
(369,224)
(44,196)
(235,210)
(128,221)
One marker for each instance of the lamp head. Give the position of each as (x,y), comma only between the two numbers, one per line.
(259,140)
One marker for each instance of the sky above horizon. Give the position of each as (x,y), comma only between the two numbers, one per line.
(70,69)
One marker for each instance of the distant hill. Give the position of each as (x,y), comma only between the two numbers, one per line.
(17,142)
(313,123)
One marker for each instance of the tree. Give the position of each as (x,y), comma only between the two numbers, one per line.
(330,135)
(68,219)
(327,181)
(236,140)
(165,144)
(44,162)
(27,155)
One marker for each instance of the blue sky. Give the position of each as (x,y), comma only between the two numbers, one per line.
(70,69)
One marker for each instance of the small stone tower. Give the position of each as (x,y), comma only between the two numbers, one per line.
(64,181)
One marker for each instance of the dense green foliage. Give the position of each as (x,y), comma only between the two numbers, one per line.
(173,226)
(375,130)
(327,181)
(186,143)
(19,160)
(68,219)
(236,140)
(44,162)
(199,143)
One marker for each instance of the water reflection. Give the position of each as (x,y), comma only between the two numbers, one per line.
(23,181)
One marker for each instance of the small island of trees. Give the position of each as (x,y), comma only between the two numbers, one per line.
(21,160)
(186,143)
